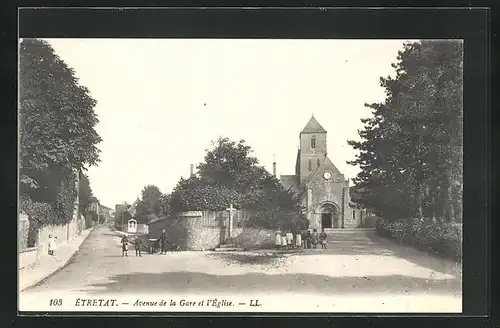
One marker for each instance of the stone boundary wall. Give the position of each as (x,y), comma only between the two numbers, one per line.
(188,231)
(29,256)
(64,233)
(23,228)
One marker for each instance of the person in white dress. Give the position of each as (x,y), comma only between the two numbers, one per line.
(283,242)
(277,239)
(298,240)
(52,244)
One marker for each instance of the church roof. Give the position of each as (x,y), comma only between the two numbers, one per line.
(313,126)
(325,163)
(288,181)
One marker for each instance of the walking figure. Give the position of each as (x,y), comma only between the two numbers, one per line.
(163,242)
(124,242)
(137,244)
(52,244)
(322,238)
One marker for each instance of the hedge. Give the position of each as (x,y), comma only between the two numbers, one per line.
(39,215)
(437,237)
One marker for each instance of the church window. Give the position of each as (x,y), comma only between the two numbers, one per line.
(317,162)
(313,142)
(310,166)
(354,214)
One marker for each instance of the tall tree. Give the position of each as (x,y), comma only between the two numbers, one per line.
(151,201)
(229,164)
(57,128)
(85,192)
(411,149)
(57,118)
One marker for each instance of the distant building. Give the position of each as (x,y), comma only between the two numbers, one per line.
(324,189)
(132,209)
(127,219)
(101,212)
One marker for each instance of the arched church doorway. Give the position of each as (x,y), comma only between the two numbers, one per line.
(330,216)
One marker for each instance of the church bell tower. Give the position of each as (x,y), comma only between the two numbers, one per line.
(312,147)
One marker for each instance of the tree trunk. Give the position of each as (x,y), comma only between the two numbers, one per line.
(433,204)
(448,204)
(418,199)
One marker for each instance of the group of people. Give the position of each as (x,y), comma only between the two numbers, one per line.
(136,242)
(304,240)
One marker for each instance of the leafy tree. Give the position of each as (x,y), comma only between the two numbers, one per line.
(231,175)
(150,204)
(57,117)
(85,193)
(57,121)
(195,194)
(229,164)
(166,205)
(411,150)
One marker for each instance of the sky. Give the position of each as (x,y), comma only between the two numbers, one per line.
(160,102)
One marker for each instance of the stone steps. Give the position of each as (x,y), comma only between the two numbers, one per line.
(228,248)
(227,245)
(348,234)
(350,231)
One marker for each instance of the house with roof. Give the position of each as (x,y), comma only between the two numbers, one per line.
(323,188)
(132,222)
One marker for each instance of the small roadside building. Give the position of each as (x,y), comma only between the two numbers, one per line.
(132,226)
(139,224)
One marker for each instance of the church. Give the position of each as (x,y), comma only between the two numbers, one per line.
(324,189)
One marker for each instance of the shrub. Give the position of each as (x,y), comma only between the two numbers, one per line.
(39,215)
(272,219)
(437,237)
(64,206)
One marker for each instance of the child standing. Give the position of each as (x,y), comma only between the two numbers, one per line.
(322,238)
(124,242)
(52,244)
(283,241)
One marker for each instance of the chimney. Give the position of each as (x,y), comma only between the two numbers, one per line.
(191,171)
(274,165)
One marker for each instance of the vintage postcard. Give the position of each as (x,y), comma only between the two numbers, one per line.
(240,175)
